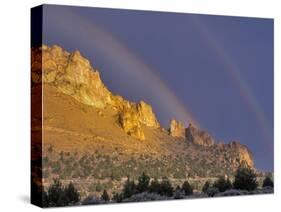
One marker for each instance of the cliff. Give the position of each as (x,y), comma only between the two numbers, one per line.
(73,75)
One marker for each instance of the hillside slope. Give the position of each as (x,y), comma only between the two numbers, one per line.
(90,133)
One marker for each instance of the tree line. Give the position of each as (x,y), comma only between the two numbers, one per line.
(245,179)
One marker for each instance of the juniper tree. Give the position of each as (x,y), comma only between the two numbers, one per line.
(186,187)
(245,179)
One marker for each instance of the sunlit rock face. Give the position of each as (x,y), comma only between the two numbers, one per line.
(177,129)
(146,115)
(198,136)
(130,122)
(133,116)
(242,152)
(72,74)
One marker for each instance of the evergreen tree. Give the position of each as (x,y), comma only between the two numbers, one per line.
(154,186)
(205,187)
(245,179)
(222,185)
(143,183)
(72,195)
(186,187)
(178,194)
(166,188)
(267,182)
(45,199)
(105,196)
(118,197)
(58,195)
(129,188)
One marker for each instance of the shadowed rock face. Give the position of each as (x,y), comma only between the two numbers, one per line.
(198,136)
(177,129)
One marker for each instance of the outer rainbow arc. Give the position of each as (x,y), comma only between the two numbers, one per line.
(241,84)
(121,55)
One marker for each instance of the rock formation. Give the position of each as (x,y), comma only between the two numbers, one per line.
(73,75)
(198,136)
(242,153)
(177,129)
(133,116)
(129,121)
(146,115)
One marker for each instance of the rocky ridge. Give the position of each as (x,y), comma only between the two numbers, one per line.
(72,74)
(191,133)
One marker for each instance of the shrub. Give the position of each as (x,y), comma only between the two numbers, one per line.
(45,199)
(116,173)
(61,156)
(45,161)
(179,193)
(91,200)
(56,168)
(72,195)
(129,188)
(105,196)
(143,183)
(186,187)
(145,196)
(117,197)
(154,186)
(166,188)
(267,182)
(211,191)
(58,195)
(55,194)
(205,187)
(45,173)
(98,187)
(222,185)
(50,149)
(231,192)
(245,179)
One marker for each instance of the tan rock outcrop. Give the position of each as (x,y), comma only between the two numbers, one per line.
(198,136)
(146,115)
(177,129)
(129,121)
(132,116)
(243,154)
(72,74)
